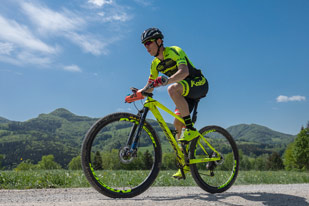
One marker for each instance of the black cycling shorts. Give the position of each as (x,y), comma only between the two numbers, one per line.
(194,88)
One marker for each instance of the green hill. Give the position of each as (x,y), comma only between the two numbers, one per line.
(61,133)
(256,139)
(3,120)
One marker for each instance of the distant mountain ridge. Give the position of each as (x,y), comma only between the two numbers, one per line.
(3,120)
(258,133)
(61,133)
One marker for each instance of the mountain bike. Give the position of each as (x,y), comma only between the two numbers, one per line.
(122,154)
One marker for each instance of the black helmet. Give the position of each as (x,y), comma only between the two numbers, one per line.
(151,33)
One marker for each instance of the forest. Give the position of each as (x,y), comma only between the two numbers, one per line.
(53,141)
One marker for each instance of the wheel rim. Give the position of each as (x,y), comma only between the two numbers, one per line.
(215,174)
(120,174)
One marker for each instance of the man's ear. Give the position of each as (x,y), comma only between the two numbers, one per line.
(159,41)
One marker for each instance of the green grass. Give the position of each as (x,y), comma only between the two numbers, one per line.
(71,179)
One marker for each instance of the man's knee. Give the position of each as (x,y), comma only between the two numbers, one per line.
(175,89)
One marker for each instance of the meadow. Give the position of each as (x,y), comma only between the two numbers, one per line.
(74,179)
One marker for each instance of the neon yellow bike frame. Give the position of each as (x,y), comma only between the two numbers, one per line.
(153,106)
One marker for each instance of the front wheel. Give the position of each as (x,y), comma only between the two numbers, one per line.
(219,172)
(108,161)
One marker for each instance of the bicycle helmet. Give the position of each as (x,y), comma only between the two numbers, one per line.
(151,33)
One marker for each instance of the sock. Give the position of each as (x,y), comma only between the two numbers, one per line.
(188,122)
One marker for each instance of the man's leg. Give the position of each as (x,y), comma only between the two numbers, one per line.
(178,126)
(175,91)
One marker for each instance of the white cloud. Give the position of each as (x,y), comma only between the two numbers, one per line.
(282,98)
(26,57)
(52,21)
(72,68)
(120,16)
(144,2)
(6,48)
(25,38)
(65,24)
(100,3)
(88,43)
(19,35)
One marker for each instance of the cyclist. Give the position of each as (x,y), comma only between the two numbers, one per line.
(186,82)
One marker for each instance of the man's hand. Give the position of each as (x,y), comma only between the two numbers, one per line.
(160,81)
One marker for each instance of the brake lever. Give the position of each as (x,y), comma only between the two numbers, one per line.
(134,90)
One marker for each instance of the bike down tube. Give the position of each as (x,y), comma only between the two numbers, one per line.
(152,105)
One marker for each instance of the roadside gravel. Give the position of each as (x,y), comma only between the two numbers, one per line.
(294,194)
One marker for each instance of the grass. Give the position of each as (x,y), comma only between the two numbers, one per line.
(74,179)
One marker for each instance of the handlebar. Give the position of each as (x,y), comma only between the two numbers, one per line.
(147,94)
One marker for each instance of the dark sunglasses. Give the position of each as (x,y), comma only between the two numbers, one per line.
(147,43)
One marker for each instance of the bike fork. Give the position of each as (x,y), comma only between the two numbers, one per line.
(136,131)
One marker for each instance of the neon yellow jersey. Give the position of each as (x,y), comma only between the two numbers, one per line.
(173,57)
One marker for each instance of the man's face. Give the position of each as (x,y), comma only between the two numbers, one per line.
(151,47)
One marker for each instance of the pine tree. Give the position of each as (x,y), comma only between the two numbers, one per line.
(274,162)
(97,162)
(148,160)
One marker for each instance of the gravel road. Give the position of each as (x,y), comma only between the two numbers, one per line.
(294,194)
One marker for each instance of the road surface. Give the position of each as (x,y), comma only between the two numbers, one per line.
(294,194)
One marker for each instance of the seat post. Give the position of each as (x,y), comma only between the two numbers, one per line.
(194,115)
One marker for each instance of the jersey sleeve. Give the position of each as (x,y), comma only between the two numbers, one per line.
(178,55)
(153,71)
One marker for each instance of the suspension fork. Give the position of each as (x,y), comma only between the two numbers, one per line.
(133,139)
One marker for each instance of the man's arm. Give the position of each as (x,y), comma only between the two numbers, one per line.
(181,74)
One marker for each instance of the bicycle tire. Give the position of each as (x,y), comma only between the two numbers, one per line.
(113,169)
(215,176)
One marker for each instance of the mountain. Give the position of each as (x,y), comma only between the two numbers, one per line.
(61,133)
(3,120)
(259,134)
(255,139)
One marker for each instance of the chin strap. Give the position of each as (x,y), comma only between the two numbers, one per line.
(158,48)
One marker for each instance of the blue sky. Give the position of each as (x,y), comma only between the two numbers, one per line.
(84,55)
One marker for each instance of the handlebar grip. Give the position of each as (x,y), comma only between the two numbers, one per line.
(147,94)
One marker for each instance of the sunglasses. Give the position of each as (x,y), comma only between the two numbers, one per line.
(147,43)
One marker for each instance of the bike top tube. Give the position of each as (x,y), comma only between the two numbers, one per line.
(150,101)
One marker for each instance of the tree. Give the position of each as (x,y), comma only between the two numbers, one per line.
(244,162)
(75,163)
(48,163)
(301,149)
(296,155)
(1,159)
(260,162)
(148,160)
(288,157)
(169,161)
(97,162)
(25,165)
(274,162)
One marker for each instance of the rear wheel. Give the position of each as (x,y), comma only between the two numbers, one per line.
(110,166)
(214,176)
